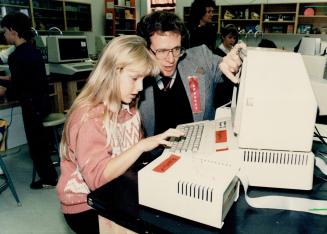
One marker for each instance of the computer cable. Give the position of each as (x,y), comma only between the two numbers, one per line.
(11,114)
(319,136)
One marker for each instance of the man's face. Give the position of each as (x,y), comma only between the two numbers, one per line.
(166,41)
(9,35)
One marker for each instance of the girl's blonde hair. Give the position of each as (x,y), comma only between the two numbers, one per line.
(103,86)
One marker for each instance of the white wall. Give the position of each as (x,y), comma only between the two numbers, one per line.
(143,8)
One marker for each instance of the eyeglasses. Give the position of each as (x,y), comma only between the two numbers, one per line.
(163,53)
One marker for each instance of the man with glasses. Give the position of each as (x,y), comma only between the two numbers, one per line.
(184,91)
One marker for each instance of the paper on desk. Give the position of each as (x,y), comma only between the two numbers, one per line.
(283,202)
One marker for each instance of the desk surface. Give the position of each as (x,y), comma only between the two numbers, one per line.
(8,104)
(118,201)
(55,77)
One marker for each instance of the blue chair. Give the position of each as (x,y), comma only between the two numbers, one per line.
(7,182)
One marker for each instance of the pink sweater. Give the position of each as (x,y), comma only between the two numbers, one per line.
(89,154)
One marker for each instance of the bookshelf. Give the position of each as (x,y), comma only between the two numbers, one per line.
(120,17)
(66,15)
(273,18)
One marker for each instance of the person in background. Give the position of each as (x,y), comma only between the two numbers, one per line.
(184,90)
(200,26)
(28,78)
(229,38)
(267,44)
(102,136)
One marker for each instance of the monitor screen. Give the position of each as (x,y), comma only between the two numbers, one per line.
(276,107)
(62,49)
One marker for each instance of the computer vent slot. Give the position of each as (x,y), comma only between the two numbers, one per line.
(213,162)
(275,157)
(196,191)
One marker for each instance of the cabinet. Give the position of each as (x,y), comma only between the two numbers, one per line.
(78,16)
(120,17)
(244,17)
(279,18)
(272,18)
(312,18)
(8,6)
(56,96)
(168,6)
(47,14)
(66,15)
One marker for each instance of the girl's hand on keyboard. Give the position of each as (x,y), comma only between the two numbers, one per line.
(150,143)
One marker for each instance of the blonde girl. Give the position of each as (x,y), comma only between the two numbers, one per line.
(102,136)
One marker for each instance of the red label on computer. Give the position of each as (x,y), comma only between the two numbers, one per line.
(221,136)
(166,164)
(195,93)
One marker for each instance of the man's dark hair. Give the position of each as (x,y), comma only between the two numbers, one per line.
(161,21)
(267,44)
(19,22)
(198,10)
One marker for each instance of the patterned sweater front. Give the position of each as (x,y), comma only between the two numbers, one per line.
(89,153)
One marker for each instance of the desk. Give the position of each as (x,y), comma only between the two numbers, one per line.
(73,89)
(118,201)
(55,92)
(66,88)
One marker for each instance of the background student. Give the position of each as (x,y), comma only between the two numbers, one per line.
(265,43)
(29,85)
(184,91)
(102,136)
(200,26)
(229,38)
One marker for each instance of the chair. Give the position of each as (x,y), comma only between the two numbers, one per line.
(6,176)
(54,121)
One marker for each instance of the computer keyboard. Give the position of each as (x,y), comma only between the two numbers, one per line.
(202,138)
(83,67)
(191,141)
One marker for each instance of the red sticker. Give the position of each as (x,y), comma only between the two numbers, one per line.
(221,136)
(195,93)
(166,164)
